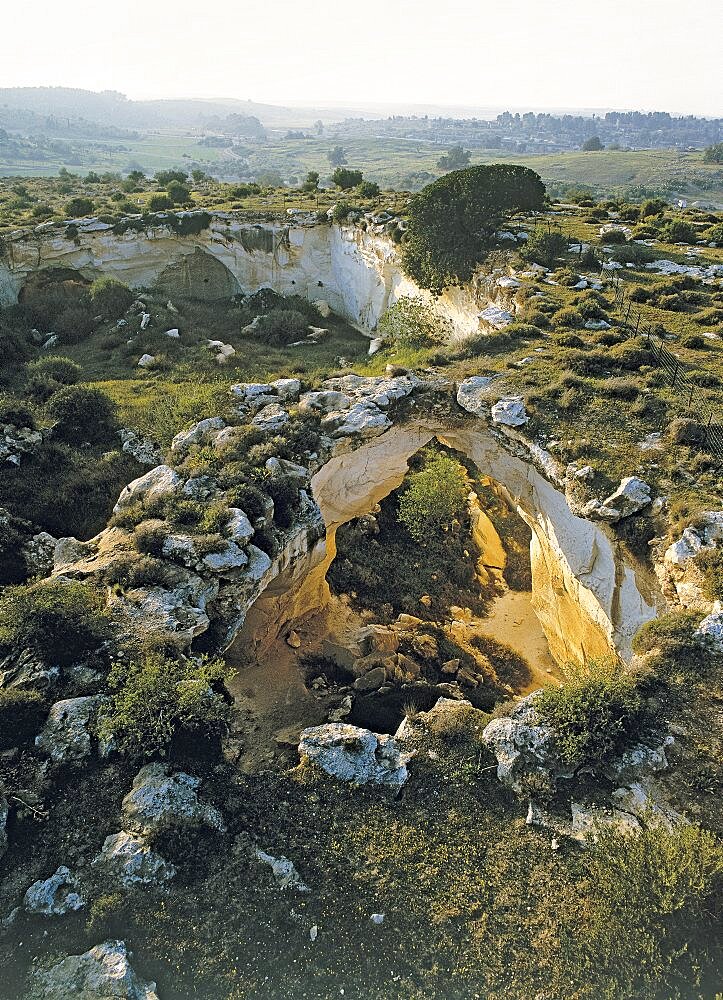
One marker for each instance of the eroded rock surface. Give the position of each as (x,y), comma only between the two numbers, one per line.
(103,973)
(160,796)
(355,755)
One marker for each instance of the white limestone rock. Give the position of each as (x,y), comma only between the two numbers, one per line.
(355,755)
(522,744)
(230,558)
(4,811)
(39,554)
(364,420)
(323,401)
(67,735)
(631,496)
(146,361)
(126,860)
(635,763)
(271,418)
(55,896)
(240,529)
(159,796)
(496,317)
(159,482)
(284,872)
(196,434)
(142,449)
(472,394)
(711,629)
(103,973)
(510,411)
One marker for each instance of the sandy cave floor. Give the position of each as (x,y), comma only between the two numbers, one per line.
(272,704)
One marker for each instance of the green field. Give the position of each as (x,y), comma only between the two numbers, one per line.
(393,163)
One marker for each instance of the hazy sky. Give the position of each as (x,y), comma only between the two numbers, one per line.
(647,54)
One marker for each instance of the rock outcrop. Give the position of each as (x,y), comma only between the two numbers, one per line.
(103,973)
(160,796)
(355,755)
(55,896)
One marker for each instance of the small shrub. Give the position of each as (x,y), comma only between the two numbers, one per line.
(568,316)
(159,203)
(679,231)
(544,248)
(133,570)
(614,237)
(710,563)
(411,322)
(77,207)
(281,326)
(673,637)
(61,621)
(592,713)
(249,498)
(154,697)
(111,298)
(56,368)
(685,431)
(81,414)
(149,537)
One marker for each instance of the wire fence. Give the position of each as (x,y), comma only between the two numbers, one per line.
(695,404)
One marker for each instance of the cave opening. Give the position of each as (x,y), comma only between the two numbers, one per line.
(391,620)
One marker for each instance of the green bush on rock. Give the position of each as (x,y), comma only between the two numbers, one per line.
(155,696)
(592,712)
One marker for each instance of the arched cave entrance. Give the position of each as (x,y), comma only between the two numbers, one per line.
(586,601)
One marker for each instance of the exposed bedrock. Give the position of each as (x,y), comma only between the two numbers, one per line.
(590,598)
(590,601)
(357,272)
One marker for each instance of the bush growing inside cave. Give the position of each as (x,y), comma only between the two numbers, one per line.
(435,496)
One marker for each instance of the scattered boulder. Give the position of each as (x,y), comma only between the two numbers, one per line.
(364,420)
(284,872)
(510,411)
(159,796)
(103,973)
(39,554)
(522,744)
(159,482)
(711,629)
(355,755)
(196,434)
(472,394)
(126,860)
(630,497)
(146,361)
(142,449)
(67,735)
(55,896)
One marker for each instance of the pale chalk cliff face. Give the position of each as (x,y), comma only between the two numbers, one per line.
(356,271)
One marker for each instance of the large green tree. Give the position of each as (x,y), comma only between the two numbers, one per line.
(452,220)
